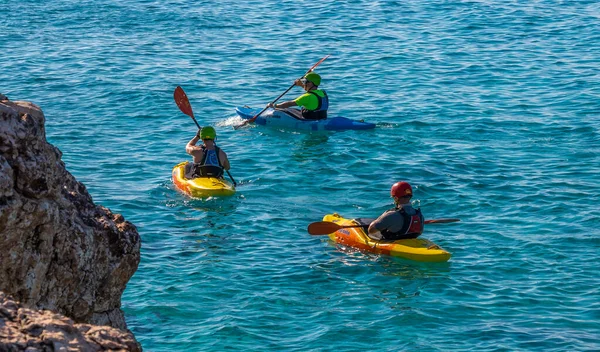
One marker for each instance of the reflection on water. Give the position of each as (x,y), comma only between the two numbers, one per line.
(167,194)
(392,282)
(410,269)
(391,266)
(215,205)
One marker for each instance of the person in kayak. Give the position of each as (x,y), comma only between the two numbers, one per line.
(209,160)
(401,222)
(314,103)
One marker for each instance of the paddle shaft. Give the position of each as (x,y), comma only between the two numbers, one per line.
(282,94)
(183,103)
(433,221)
(327,227)
(197,124)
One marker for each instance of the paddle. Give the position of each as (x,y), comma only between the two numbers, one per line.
(279,97)
(326,227)
(183,103)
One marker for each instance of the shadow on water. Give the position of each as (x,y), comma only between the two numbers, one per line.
(202,231)
(310,146)
(204,244)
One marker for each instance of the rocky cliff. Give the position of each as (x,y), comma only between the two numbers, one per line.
(58,250)
(24,329)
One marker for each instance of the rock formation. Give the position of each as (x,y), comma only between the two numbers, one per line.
(23,329)
(58,250)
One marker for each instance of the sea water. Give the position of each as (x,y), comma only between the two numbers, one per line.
(490,109)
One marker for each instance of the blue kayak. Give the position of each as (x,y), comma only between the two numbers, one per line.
(290,119)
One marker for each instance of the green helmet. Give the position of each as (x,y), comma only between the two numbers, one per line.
(208,132)
(314,78)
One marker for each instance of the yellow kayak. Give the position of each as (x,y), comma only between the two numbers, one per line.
(201,187)
(418,249)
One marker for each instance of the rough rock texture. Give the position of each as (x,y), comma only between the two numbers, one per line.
(58,250)
(23,329)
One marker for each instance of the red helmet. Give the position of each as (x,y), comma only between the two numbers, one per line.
(401,189)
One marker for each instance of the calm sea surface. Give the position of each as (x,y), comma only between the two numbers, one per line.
(491,109)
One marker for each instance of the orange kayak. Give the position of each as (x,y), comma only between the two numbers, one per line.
(418,249)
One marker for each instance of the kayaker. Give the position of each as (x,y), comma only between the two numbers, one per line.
(209,160)
(403,221)
(314,102)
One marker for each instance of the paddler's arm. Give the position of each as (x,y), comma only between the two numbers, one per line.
(191,146)
(284,105)
(224,160)
(287,104)
(373,231)
(379,224)
(192,149)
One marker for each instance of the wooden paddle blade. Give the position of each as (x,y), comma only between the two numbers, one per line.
(441,221)
(182,101)
(323,228)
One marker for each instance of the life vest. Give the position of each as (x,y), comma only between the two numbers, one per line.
(320,112)
(412,226)
(210,165)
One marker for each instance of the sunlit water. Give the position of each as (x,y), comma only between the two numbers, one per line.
(490,109)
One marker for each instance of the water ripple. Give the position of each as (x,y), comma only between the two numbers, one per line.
(489,109)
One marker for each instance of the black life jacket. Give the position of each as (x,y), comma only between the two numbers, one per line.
(201,169)
(320,112)
(412,227)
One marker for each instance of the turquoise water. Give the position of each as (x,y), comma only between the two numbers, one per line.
(490,109)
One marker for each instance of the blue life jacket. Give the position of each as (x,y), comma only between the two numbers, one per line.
(320,112)
(412,226)
(210,157)
(210,165)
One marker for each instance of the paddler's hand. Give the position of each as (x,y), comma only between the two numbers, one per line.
(271,105)
(198,134)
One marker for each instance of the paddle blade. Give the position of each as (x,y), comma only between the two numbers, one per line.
(323,228)
(183,102)
(315,65)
